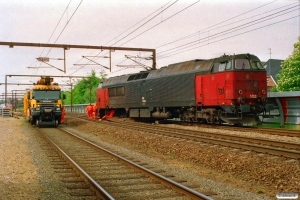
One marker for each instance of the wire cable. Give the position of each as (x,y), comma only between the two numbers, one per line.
(131,31)
(198,32)
(231,36)
(238,27)
(161,22)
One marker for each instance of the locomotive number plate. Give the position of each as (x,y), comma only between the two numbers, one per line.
(253,96)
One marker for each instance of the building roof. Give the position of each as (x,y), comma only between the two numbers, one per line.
(273,66)
(271,82)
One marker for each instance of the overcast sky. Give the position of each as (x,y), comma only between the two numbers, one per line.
(178,30)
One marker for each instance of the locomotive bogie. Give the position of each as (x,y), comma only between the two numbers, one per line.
(228,89)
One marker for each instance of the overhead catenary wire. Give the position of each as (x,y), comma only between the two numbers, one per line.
(122,34)
(160,23)
(63,27)
(180,51)
(133,30)
(145,22)
(211,42)
(230,30)
(235,17)
(53,32)
(218,27)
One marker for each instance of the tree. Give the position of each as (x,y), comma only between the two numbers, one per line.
(85,90)
(289,75)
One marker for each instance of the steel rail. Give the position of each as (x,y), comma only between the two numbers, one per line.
(265,130)
(240,145)
(235,144)
(273,143)
(100,191)
(177,186)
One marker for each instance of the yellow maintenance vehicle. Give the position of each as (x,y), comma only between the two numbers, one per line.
(43,103)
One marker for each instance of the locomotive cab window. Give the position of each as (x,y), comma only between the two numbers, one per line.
(256,64)
(222,66)
(242,64)
(228,65)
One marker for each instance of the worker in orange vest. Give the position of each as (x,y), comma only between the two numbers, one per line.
(63,113)
(95,111)
(89,110)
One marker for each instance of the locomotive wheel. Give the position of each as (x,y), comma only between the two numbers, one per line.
(31,121)
(238,124)
(55,123)
(37,123)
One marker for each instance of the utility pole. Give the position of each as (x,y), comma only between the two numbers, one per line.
(270,53)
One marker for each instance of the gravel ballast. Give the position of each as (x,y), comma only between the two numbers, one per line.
(226,173)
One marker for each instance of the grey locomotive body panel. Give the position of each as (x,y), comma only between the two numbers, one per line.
(172,86)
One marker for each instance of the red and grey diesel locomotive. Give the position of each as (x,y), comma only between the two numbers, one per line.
(230,88)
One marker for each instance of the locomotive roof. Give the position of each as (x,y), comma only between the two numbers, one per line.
(191,66)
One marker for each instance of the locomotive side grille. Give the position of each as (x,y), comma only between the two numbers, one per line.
(171,89)
(132,92)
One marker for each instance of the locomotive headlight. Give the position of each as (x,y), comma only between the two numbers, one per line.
(258,100)
(241,100)
(240,92)
(263,91)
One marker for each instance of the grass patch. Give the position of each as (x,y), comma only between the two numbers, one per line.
(95,134)
(260,191)
(172,154)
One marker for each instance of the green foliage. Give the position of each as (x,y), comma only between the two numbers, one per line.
(260,191)
(84,91)
(289,75)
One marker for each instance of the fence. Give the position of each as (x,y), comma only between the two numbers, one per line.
(77,108)
(4,112)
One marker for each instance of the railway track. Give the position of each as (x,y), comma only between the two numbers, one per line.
(265,130)
(109,175)
(273,147)
(278,148)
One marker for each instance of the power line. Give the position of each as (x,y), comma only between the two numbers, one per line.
(143,20)
(68,21)
(198,32)
(64,26)
(229,37)
(236,28)
(221,22)
(162,21)
(134,30)
(57,26)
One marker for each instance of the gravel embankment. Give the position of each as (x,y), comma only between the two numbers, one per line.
(26,172)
